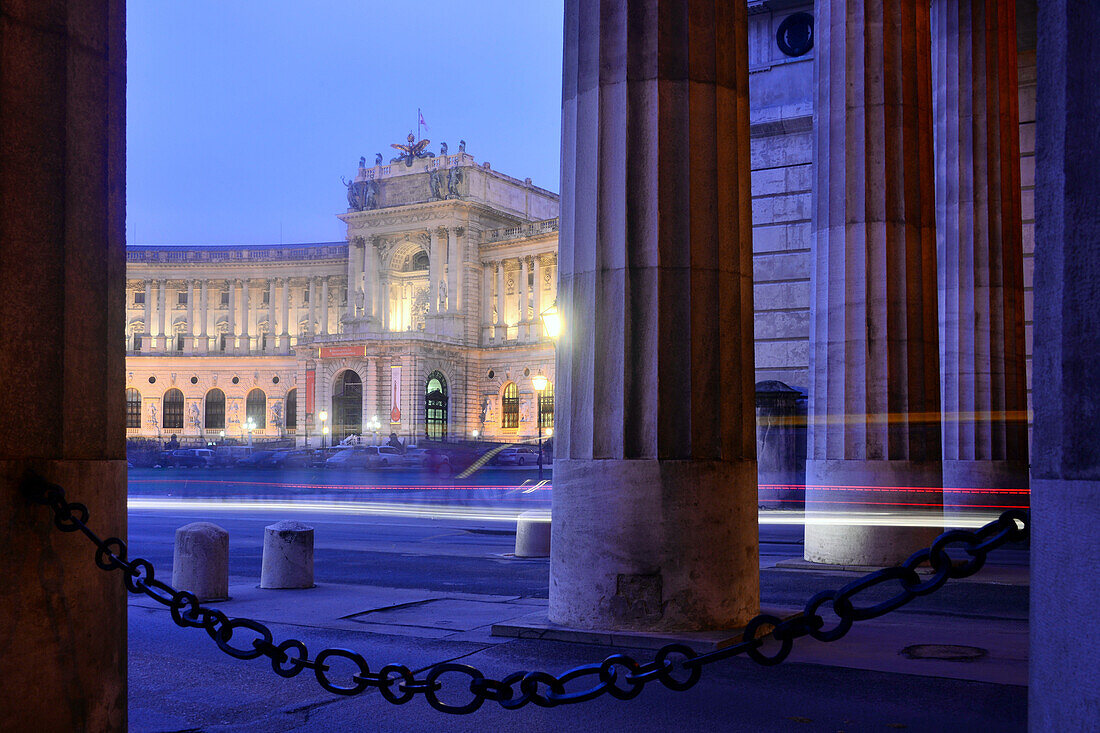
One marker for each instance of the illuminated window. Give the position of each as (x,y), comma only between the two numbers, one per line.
(173,410)
(347,405)
(435,406)
(546,406)
(255,409)
(133,408)
(510,407)
(215,410)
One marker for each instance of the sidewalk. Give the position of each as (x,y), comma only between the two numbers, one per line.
(179,680)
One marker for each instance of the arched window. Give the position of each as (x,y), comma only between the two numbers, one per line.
(255,409)
(347,405)
(435,407)
(292,410)
(546,406)
(173,410)
(215,410)
(133,408)
(510,407)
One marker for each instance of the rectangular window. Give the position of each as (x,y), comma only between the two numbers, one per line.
(181,297)
(139,297)
(221,342)
(137,342)
(263,342)
(179,342)
(266,299)
(225,299)
(305,295)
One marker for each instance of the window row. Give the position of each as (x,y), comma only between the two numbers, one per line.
(214,415)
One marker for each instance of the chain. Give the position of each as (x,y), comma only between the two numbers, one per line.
(676,666)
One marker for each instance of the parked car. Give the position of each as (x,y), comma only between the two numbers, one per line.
(187,458)
(438,461)
(256,460)
(228,455)
(518,455)
(351,457)
(387,455)
(417,457)
(299,458)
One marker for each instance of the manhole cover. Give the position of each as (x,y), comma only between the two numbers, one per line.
(949,652)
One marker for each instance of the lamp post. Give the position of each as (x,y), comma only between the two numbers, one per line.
(324,428)
(551,321)
(540,384)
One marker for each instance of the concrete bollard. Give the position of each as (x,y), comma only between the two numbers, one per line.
(200,561)
(533,534)
(288,556)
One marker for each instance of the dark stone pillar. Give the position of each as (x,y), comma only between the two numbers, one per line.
(980,254)
(874,345)
(62,284)
(1064,690)
(655,468)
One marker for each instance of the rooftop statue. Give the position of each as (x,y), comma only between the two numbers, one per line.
(412,150)
(378,159)
(362,162)
(462,146)
(443,148)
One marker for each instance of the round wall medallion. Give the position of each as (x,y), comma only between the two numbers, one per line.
(194,380)
(492,374)
(236,380)
(152,380)
(274,380)
(796,34)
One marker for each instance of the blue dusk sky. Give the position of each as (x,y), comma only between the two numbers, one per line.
(242,116)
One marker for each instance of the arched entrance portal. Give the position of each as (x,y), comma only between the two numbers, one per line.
(347,405)
(435,407)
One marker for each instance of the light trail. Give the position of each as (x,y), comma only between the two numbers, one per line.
(491,514)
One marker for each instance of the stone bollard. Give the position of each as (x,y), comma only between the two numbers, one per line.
(533,534)
(288,556)
(200,562)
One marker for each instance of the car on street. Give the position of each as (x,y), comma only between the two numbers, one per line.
(190,458)
(387,455)
(228,455)
(299,458)
(517,455)
(256,460)
(415,457)
(351,457)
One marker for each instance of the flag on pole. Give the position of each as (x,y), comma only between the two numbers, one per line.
(420,119)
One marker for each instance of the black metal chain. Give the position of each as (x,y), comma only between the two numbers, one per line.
(676,666)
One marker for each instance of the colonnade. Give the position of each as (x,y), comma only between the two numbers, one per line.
(239,320)
(511,313)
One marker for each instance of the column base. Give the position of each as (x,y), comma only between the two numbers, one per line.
(654,545)
(871,512)
(970,486)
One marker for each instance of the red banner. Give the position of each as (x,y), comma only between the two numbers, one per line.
(332,352)
(311,378)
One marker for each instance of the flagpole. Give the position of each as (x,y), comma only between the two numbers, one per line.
(418,124)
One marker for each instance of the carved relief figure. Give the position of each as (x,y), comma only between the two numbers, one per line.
(277,413)
(194,417)
(442,295)
(234,414)
(435,183)
(153,414)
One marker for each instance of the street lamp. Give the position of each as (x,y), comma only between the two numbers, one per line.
(476,433)
(551,321)
(324,428)
(539,382)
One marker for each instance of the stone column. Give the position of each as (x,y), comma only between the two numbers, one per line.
(62,357)
(204,329)
(161,333)
(271,314)
(231,315)
(246,315)
(655,474)
(190,315)
(384,303)
(502,326)
(370,392)
(454,269)
(312,307)
(536,299)
(353,273)
(434,260)
(874,350)
(1063,693)
(148,342)
(286,312)
(324,306)
(522,290)
(980,254)
(486,303)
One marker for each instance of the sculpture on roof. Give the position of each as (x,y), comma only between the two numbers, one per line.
(412,150)
(462,146)
(362,195)
(378,159)
(443,148)
(454,177)
(362,162)
(435,183)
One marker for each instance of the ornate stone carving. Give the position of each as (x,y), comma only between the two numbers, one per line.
(412,150)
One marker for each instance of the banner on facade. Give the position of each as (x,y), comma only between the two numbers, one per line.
(311,379)
(332,352)
(395,395)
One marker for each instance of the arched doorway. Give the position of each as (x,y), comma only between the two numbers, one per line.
(435,407)
(347,405)
(292,411)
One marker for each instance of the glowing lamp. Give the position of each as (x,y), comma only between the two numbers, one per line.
(551,321)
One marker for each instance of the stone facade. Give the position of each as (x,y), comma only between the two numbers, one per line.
(449,263)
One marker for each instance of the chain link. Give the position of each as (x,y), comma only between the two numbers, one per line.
(676,666)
